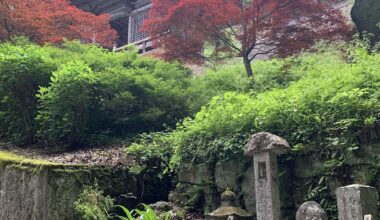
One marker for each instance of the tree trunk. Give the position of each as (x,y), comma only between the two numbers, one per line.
(247,65)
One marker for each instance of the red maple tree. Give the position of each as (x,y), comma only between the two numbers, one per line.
(246,28)
(52,21)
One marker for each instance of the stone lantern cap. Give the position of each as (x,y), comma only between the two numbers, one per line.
(265,141)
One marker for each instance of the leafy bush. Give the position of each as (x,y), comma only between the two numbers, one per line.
(147,214)
(92,204)
(66,106)
(332,97)
(23,69)
(153,153)
(232,77)
(97,58)
(144,98)
(113,94)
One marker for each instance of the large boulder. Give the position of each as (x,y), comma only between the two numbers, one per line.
(366,16)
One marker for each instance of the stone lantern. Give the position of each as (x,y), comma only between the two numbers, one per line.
(264,147)
(229,210)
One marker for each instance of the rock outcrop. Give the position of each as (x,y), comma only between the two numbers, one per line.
(366,16)
(311,211)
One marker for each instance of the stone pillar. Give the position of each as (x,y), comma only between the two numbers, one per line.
(356,201)
(264,147)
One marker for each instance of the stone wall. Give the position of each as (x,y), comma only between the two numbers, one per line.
(31,191)
(296,177)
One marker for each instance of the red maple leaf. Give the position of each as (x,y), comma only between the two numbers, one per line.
(246,28)
(52,21)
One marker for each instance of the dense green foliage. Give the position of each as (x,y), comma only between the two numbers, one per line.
(333,97)
(153,152)
(66,107)
(22,71)
(92,204)
(232,77)
(325,103)
(84,95)
(146,214)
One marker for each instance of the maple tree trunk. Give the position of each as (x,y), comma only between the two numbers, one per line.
(247,65)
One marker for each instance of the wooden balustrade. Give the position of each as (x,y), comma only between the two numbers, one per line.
(141,45)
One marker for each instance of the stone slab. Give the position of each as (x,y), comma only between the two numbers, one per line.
(355,201)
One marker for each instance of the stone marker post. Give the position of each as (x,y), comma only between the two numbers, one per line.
(356,201)
(264,147)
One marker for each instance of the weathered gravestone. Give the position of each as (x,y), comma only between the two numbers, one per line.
(311,211)
(368,217)
(264,147)
(356,201)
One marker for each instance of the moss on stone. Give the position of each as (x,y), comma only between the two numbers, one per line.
(14,158)
(53,187)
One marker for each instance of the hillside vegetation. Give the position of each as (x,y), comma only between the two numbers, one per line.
(326,101)
(331,94)
(337,95)
(83,95)
(326,104)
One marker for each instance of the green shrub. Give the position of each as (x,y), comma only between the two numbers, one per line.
(144,98)
(147,214)
(94,94)
(332,98)
(269,74)
(97,58)
(23,69)
(153,153)
(91,204)
(66,106)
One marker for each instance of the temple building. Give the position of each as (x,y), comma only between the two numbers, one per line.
(127,17)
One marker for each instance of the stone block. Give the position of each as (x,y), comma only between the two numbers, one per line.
(228,173)
(356,201)
(197,175)
(248,190)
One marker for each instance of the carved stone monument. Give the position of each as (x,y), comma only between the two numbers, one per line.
(311,211)
(356,201)
(264,147)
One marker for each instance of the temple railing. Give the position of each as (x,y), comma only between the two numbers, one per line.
(141,45)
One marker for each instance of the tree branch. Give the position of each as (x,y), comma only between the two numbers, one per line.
(276,9)
(226,40)
(262,53)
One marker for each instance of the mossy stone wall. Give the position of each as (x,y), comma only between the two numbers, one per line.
(300,178)
(47,192)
